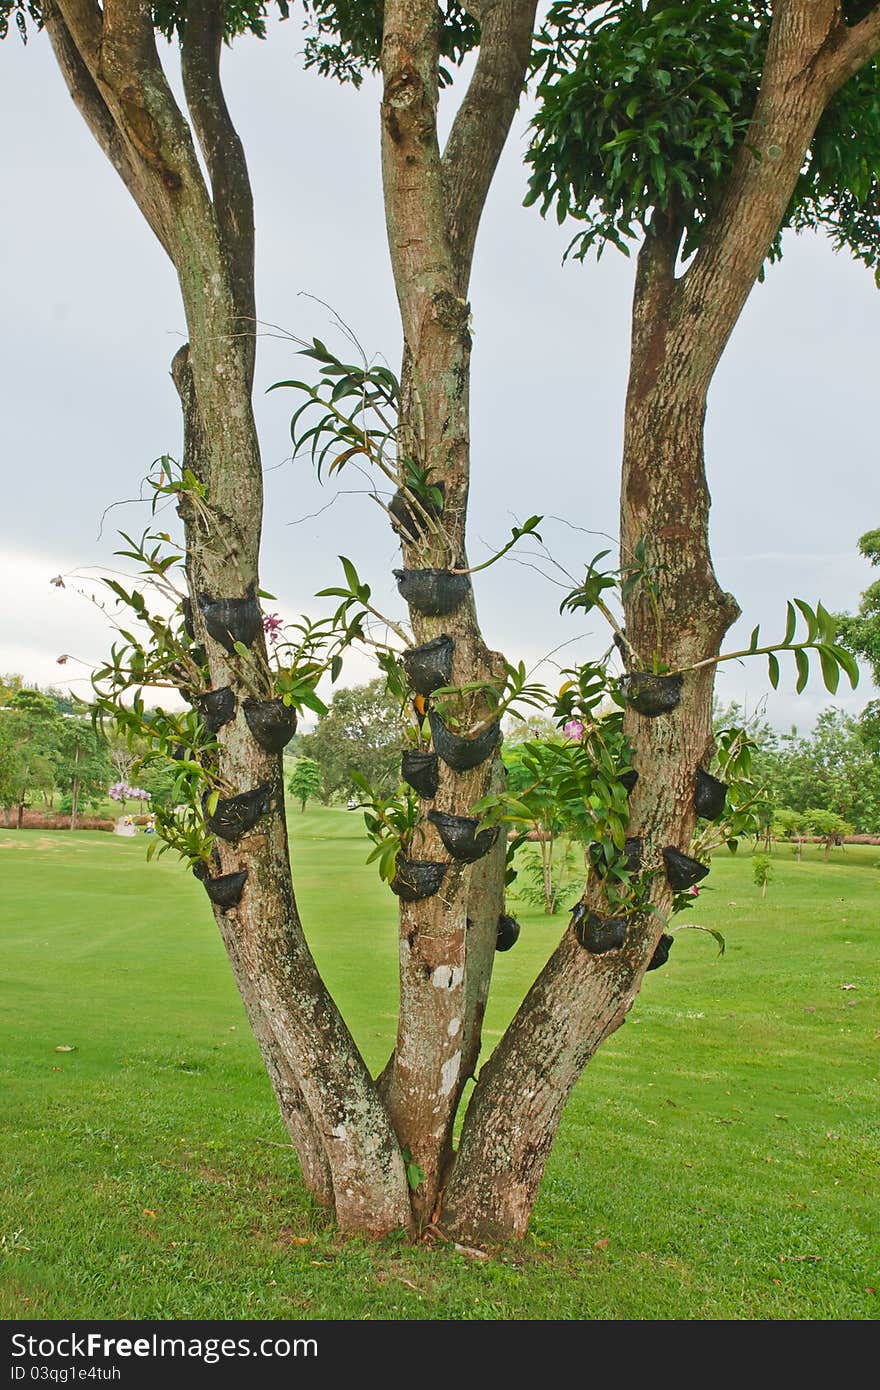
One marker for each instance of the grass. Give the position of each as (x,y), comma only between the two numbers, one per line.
(717,1160)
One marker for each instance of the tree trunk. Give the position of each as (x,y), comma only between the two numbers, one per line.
(547,867)
(348,1151)
(579,999)
(433,206)
(680,329)
(74,798)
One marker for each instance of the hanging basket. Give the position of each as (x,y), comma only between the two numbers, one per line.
(463,754)
(417,878)
(231,620)
(421,771)
(429,666)
(272,723)
(682,871)
(433,593)
(628,779)
(507,934)
(710,796)
(216,707)
(407,512)
(650,695)
(235,815)
(460,837)
(599,935)
(226,891)
(661,952)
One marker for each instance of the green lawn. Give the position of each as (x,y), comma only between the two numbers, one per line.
(718,1159)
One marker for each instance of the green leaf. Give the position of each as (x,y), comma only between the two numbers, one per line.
(773,670)
(849,664)
(809,618)
(790,625)
(830,669)
(802,661)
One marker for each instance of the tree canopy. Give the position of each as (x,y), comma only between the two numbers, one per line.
(642,108)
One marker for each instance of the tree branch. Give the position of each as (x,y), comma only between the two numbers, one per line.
(851,48)
(224,155)
(792,97)
(482,123)
(94,110)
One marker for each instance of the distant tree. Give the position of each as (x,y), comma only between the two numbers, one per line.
(83,769)
(861,633)
(9,684)
(762,871)
(305,781)
(32,733)
(834,768)
(363,731)
(829,826)
(790,825)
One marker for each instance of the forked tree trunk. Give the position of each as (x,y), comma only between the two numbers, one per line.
(349,1132)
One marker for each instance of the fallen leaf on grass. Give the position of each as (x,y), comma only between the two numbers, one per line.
(65,1048)
(287,1237)
(146,1212)
(601,1244)
(849,986)
(470,1251)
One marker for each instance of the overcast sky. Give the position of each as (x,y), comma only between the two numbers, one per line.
(91,318)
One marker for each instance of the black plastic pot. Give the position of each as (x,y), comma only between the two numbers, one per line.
(201,870)
(216,707)
(272,723)
(459,836)
(226,890)
(661,952)
(682,871)
(433,593)
(429,666)
(407,512)
(417,878)
(507,934)
(235,815)
(186,610)
(709,796)
(632,849)
(462,754)
(599,934)
(231,620)
(629,779)
(651,695)
(421,771)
